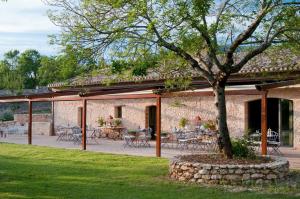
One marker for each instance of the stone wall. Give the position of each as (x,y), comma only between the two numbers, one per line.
(66,113)
(41,128)
(23,118)
(229,174)
(133,110)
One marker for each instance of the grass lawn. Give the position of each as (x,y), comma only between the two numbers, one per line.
(41,172)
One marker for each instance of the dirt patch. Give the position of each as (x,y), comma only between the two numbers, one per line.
(220,159)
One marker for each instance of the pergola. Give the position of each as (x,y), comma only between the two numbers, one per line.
(124,91)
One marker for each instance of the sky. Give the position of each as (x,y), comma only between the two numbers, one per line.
(24,25)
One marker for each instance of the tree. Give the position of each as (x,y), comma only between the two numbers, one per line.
(49,71)
(28,64)
(208,35)
(11,58)
(10,77)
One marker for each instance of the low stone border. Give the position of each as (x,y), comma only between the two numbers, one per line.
(229,174)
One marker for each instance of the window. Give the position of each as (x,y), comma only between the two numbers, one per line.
(118,111)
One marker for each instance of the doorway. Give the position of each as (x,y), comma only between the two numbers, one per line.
(150,119)
(279,118)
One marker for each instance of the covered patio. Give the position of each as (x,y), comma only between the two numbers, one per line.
(150,89)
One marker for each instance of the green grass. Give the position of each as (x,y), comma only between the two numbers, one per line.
(41,172)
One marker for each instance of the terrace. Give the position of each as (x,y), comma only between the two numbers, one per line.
(117,147)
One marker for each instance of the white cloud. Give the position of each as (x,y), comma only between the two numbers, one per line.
(24,16)
(24,24)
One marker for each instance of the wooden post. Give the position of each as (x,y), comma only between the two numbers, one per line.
(264,122)
(30,122)
(52,131)
(158,126)
(83,144)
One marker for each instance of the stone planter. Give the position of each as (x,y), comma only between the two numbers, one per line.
(229,174)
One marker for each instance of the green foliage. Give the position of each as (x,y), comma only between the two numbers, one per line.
(117,122)
(49,71)
(211,125)
(241,148)
(101,121)
(30,69)
(183,122)
(7,116)
(28,64)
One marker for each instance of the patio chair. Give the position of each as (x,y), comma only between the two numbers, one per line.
(76,135)
(182,140)
(128,139)
(92,135)
(60,132)
(144,137)
(273,141)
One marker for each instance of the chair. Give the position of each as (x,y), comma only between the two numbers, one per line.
(92,135)
(273,141)
(61,132)
(76,135)
(144,137)
(128,139)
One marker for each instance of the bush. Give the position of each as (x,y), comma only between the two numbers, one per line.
(101,121)
(183,122)
(117,122)
(241,148)
(6,117)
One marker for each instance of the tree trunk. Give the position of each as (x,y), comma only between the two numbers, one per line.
(220,103)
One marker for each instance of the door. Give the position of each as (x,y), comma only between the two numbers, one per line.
(150,119)
(286,122)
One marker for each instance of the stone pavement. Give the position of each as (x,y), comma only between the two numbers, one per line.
(117,147)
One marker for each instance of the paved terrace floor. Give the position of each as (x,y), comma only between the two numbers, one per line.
(117,147)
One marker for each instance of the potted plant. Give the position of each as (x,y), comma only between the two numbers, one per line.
(183,122)
(117,122)
(101,121)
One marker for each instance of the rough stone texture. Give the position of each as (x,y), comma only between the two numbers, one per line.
(41,128)
(38,128)
(23,118)
(134,111)
(229,174)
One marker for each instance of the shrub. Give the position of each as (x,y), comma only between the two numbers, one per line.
(7,117)
(183,122)
(101,121)
(241,148)
(117,122)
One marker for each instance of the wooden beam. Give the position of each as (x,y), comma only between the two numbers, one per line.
(262,87)
(210,93)
(29,133)
(158,126)
(264,122)
(84,106)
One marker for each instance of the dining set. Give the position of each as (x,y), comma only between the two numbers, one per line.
(183,139)
(74,134)
(273,141)
(137,138)
(191,139)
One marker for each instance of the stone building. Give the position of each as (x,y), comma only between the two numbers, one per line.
(242,95)
(133,99)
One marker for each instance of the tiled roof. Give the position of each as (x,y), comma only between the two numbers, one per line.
(285,61)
